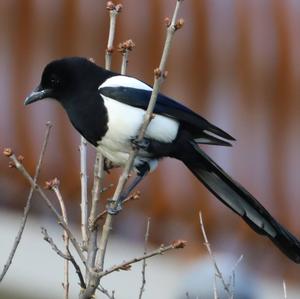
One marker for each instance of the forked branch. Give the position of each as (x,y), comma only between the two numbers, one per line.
(19,166)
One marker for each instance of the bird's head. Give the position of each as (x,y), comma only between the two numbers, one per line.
(62,79)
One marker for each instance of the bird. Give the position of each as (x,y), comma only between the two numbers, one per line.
(108,108)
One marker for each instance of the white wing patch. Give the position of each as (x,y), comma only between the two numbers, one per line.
(124,122)
(125,81)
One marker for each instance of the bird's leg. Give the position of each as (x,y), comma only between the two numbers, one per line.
(143,170)
(108,165)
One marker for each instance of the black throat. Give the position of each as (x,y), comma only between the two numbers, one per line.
(85,106)
(88,115)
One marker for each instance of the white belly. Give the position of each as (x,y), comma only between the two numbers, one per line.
(124,122)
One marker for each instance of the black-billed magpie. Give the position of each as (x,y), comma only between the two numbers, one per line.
(108,108)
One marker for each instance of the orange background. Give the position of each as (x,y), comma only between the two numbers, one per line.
(235,62)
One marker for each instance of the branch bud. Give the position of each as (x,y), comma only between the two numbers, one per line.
(125,268)
(49,124)
(178,244)
(11,164)
(119,8)
(167,21)
(110,50)
(8,152)
(110,5)
(20,158)
(179,24)
(157,73)
(49,185)
(126,46)
(136,195)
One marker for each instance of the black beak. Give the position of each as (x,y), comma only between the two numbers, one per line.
(37,95)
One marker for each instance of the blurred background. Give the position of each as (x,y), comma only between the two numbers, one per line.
(235,62)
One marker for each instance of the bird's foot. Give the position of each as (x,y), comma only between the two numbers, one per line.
(114,208)
(140,144)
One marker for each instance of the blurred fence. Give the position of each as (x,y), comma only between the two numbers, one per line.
(235,62)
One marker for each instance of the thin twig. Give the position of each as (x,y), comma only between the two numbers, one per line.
(66,283)
(48,239)
(216,296)
(19,166)
(232,278)
(28,203)
(124,62)
(98,179)
(217,270)
(93,229)
(67,256)
(106,292)
(178,244)
(114,10)
(124,48)
(77,269)
(84,196)
(142,289)
(284,289)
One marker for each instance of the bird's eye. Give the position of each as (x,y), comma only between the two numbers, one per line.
(54,81)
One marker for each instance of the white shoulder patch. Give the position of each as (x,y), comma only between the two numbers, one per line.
(125,81)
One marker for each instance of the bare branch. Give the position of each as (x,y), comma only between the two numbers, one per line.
(48,239)
(19,166)
(124,48)
(178,244)
(93,230)
(106,292)
(114,10)
(67,256)
(98,180)
(28,203)
(232,278)
(218,273)
(216,296)
(84,196)
(66,283)
(284,289)
(77,269)
(142,289)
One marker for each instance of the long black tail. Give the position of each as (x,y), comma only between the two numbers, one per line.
(239,200)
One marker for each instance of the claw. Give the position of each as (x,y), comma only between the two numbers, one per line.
(114,210)
(141,144)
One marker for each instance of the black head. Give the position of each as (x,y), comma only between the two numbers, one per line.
(63,78)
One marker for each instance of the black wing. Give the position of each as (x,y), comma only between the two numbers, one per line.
(198,126)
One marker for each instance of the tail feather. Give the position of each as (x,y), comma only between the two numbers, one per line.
(238,199)
(212,140)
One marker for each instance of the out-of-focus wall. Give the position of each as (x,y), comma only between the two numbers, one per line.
(234,62)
